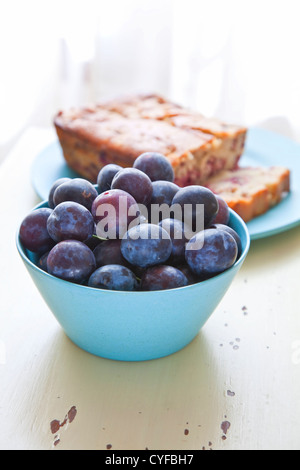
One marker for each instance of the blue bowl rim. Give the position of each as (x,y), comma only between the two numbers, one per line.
(240,261)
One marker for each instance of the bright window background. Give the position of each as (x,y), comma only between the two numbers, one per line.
(237,59)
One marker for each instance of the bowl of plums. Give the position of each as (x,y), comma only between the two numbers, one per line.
(132,267)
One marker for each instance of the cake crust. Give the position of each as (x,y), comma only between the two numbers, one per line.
(118,131)
(202,150)
(252,191)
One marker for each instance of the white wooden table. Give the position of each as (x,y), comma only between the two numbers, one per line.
(235,387)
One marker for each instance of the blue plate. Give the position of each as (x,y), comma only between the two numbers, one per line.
(263,148)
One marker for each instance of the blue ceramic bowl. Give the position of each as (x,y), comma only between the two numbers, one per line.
(133,326)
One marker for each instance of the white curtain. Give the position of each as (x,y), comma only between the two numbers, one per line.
(235,59)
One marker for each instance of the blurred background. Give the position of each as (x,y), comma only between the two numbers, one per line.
(237,59)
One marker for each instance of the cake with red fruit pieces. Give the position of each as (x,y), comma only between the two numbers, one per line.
(251,191)
(118,131)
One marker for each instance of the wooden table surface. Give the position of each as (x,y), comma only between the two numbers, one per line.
(235,387)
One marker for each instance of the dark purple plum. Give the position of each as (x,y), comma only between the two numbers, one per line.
(72,261)
(113,277)
(146,245)
(76,190)
(53,189)
(161,201)
(134,182)
(156,166)
(223,214)
(211,252)
(232,232)
(42,262)
(113,212)
(33,232)
(106,175)
(137,270)
(163,192)
(198,204)
(191,277)
(93,242)
(163,278)
(109,252)
(176,230)
(70,221)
